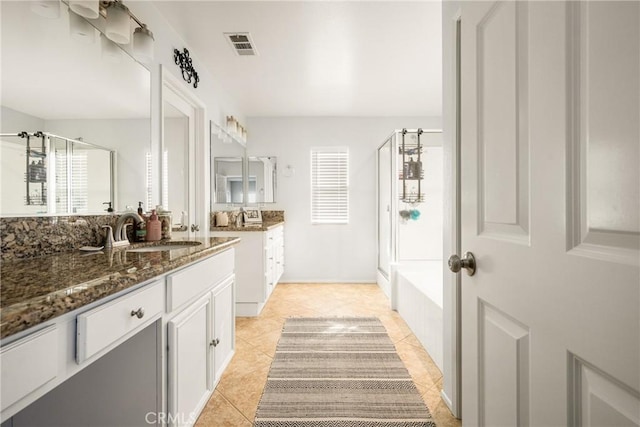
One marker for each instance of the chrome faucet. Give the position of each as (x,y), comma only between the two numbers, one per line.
(121,229)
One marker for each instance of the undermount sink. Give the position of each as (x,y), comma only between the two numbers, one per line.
(168,246)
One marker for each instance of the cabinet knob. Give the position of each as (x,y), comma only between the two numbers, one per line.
(215,342)
(139,313)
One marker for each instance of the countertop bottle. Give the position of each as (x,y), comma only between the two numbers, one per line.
(141,230)
(154,227)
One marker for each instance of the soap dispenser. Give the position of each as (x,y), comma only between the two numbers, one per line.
(154,228)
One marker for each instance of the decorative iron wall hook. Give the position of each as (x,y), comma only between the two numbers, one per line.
(183,60)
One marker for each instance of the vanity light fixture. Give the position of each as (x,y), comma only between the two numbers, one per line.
(46,8)
(117,23)
(143,44)
(90,9)
(236,130)
(118,27)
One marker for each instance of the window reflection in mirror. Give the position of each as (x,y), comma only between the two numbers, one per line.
(58,85)
(262,179)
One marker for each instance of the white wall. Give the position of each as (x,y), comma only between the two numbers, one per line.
(327,253)
(421,239)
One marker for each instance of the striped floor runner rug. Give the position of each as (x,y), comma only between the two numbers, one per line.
(339,372)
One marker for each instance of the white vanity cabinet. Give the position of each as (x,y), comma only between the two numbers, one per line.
(156,353)
(28,365)
(260,257)
(200,336)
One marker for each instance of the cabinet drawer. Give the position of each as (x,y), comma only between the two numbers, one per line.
(27,365)
(198,278)
(274,234)
(108,323)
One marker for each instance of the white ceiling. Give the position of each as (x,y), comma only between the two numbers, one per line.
(320,58)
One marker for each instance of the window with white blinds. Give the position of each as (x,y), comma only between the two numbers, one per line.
(330,185)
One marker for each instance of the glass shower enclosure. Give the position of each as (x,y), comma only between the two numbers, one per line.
(402,192)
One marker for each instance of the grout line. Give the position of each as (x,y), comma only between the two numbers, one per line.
(234,406)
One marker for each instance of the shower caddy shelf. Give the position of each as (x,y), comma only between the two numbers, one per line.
(36,170)
(412,170)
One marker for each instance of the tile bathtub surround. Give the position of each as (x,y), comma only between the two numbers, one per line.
(28,237)
(235,399)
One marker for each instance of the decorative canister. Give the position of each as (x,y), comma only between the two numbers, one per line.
(165,220)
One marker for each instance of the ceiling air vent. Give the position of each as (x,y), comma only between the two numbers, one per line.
(242,43)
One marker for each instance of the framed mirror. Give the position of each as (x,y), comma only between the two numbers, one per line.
(262,179)
(227,169)
(93,106)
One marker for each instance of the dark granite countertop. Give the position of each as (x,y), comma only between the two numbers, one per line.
(264,227)
(35,290)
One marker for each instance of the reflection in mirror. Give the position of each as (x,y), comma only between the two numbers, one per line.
(60,175)
(228,180)
(262,180)
(227,168)
(59,85)
(175,186)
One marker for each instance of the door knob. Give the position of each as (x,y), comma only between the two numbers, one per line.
(468,262)
(195,228)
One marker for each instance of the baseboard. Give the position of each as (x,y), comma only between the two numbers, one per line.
(248,309)
(447,402)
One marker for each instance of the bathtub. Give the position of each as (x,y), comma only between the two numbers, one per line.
(417,296)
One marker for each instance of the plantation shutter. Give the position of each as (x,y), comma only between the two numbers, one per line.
(329,185)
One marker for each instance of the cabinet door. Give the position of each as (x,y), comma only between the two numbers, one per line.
(223,338)
(189,362)
(279,256)
(269,272)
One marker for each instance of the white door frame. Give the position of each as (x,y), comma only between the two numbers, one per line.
(198,157)
(452,387)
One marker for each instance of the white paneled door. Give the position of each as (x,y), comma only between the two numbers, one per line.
(550,132)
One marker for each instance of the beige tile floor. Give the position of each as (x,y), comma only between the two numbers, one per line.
(235,399)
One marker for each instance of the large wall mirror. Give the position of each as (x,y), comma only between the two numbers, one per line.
(237,179)
(261,179)
(227,169)
(80,106)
